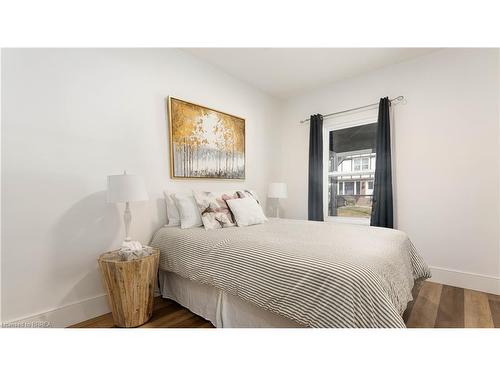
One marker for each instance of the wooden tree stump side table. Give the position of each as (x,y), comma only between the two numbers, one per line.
(130,285)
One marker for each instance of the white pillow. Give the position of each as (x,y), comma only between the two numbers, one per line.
(173,219)
(246,211)
(188,210)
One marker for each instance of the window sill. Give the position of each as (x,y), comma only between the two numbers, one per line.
(348,220)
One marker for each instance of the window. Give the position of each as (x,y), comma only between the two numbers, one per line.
(357,164)
(348,188)
(351,170)
(365,164)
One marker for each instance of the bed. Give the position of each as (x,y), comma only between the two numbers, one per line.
(291,273)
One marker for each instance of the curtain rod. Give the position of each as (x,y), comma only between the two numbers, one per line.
(396,99)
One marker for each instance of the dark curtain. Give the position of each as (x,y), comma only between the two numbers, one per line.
(315,192)
(382,210)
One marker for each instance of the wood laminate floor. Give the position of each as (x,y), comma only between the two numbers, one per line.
(434,306)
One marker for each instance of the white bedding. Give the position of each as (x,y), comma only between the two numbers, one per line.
(316,274)
(222,309)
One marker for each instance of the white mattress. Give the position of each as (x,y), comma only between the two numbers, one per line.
(220,308)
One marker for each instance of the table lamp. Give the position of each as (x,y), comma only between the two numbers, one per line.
(126,188)
(277,190)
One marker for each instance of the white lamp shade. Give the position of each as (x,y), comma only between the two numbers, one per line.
(277,190)
(126,188)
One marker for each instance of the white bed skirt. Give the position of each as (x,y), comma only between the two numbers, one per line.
(222,309)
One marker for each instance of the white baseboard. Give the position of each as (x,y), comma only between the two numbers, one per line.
(65,316)
(467,280)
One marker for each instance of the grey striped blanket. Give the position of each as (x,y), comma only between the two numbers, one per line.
(317,274)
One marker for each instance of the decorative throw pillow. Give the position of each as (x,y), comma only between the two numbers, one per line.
(248,194)
(173,219)
(246,211)
(188,210)
(213,208)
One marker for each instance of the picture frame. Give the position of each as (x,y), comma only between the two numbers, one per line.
(205,143)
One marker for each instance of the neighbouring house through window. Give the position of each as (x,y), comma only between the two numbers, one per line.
(351,170)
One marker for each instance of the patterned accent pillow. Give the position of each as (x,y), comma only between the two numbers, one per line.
(214,211)
(248,194)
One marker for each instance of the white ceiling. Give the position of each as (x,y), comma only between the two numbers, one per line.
(285,72)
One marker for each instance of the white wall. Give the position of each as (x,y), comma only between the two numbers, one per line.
(69,119)
(446,156)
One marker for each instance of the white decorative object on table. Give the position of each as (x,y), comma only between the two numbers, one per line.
(134,250)
(126,188)
(277,190)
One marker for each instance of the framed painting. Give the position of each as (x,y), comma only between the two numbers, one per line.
(204,142)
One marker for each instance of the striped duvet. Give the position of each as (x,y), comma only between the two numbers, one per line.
(317,274)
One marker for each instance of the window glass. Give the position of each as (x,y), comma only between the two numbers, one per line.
(351,171)
(357,164)
(349,188)
(366,164)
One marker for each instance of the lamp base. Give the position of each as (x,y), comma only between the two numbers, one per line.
(127,219)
